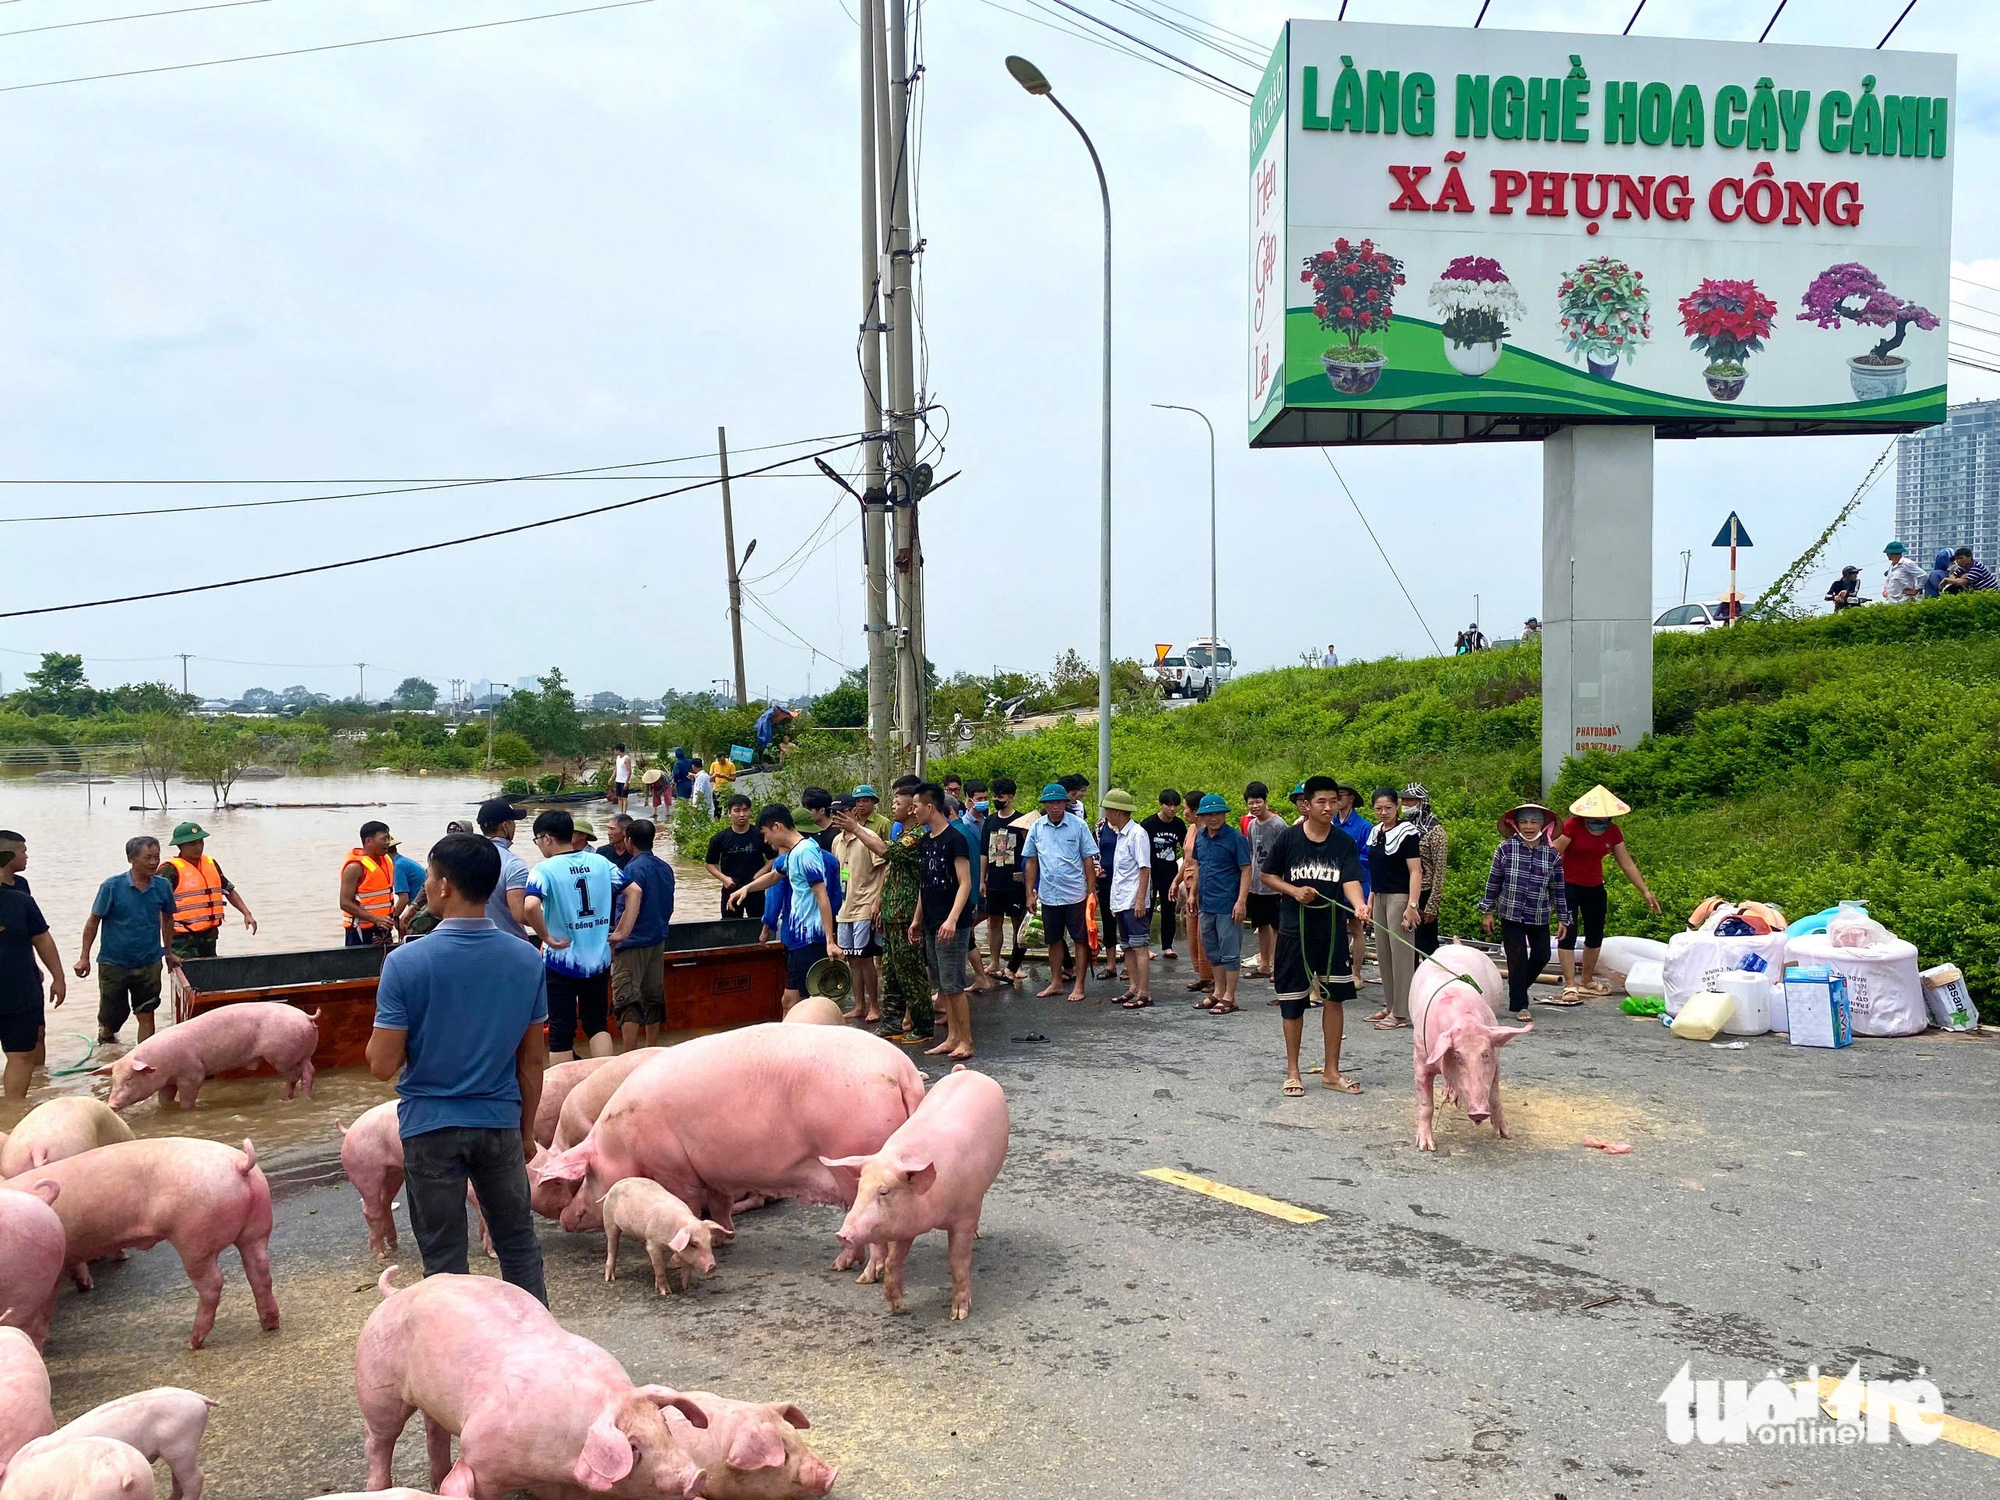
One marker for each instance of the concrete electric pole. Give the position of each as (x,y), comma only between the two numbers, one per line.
(874,497)
(735,581)
(893,98)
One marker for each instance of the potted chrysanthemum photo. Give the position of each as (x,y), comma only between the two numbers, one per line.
(1851,293)
(1478,307)
(1728,321)
(1606,313)
(1354,289)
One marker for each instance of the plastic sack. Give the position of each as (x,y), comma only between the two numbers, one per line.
(1648,979)
(1948,1000)
(1641,1005)
(1695,960)
(1620,954)
(1885,996)
(1856,929)
(1704,1015)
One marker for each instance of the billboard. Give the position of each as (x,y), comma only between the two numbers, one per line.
(1463,235)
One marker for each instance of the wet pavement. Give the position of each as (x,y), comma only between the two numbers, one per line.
(1499,1319)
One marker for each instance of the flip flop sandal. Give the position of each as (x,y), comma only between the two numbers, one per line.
(1565,1000)
(1294,1089)
(1596,987)
(1392,1024)
(1346,1086)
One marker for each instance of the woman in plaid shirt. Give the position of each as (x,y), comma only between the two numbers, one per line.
(1524,889)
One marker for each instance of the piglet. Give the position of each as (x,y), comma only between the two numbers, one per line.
(31,1259)
(371,1153)
(1455,996)
(674,1236)
(533,1407)
(752,1450)
(174,1062)
(556,1085)
(200,1196)
(25,1413)
(932,1173)
(59,1128)
(90,1468)
(166,1422)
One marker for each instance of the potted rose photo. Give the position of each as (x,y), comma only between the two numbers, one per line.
(1606,313)
(1852,293)
(1354,287)
(1478,305)
(1728,321)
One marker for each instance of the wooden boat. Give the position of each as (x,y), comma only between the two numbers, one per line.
(717,976)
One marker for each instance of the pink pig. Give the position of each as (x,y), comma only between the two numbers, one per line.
(1455,1034)
(752,1450)
(556,1085)
(749,1111)
(32,1257)
(933,1173)
(59,1128)
(176,1061)
(89,1468)
(371,1154)
(165,1422)
(589,1094)
(533,1407)
(201,1196)
(25,1413)
(672,1234)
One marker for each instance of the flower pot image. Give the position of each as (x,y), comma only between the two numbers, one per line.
(1353,377)
(1472,359)
(1603,369)
(1725,382)
(1875,379)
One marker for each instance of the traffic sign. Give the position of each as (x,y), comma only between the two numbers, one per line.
(1732,534)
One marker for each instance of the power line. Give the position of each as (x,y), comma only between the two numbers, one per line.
(355,562)
(144,15)
(1191,67)
(371,41)
(771,615)
(1371,537)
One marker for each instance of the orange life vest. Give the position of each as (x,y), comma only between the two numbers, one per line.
(197,895)
(376,894)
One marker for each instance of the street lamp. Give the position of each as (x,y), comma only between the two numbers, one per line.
(1214,636)
(1032,79)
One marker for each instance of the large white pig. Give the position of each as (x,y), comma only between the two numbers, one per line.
(1455,998)
(587,1096)
(92,1468)
(371,1154)
(533,1407)
(176,1061)
(32,1256)
(556,1085)
(165,1422)
(25,1413)
(58,1128)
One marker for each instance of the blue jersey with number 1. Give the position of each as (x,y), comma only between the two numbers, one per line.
(575,891)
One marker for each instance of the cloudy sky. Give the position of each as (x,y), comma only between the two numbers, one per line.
(589,241)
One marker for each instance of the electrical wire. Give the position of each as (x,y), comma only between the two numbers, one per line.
(355,562)
(1234,54)
(1894,24)
(370,41)
(1378,547)
(144,15)
(1150,47)
(1057,22)
(772,616)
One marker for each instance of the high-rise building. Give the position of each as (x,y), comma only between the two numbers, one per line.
(1948,484)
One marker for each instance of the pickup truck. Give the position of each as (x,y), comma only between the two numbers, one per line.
(1196,670)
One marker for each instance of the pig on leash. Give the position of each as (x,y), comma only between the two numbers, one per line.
(752,1450)
(755,1110)
(371,1154)
(165,1422)
(25,1413)
(86,1468)
(200,1196)
(532,1406)
(673,1234)
(933,1173)
(1455,996)
(59,1128)
(175,1062)
(32,1257)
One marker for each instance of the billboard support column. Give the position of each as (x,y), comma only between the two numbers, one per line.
(1597,591)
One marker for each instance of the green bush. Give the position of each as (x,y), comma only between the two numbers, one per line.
(512,752)
(516,786)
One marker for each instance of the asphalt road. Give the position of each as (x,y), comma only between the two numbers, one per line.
(1499,1319)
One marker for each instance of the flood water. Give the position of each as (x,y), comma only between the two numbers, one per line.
(285,860)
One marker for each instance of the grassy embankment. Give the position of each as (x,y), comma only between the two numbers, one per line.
(1849,757)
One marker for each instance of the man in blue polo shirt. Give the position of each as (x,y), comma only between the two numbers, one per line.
(1222,876)
(135,911)
(1061,855)
(459,1017)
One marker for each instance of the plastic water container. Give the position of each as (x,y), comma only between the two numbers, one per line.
(1704,1015)
(1646,978)
(1752,994)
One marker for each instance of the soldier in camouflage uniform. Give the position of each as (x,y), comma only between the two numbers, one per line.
(906,984)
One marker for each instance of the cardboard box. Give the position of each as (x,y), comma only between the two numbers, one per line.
(1817,1009)
(1948,1000)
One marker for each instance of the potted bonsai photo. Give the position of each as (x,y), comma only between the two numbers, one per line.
(1728,321)
(1606,313)
(1850,292)
(1354,286)
(1478,305)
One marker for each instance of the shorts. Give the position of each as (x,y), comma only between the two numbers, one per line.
(859,937)
(1262,910)
(21,1024)
(577,1005)
(621,788)
(945,958)
(196,944)
(799,962)
(1006,900)
(1222,939)
(1134,931)
(1293,973)
(1070,919)
(123,992)
(639,985)
(1588,905)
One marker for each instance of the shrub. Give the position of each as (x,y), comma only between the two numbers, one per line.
(513,752)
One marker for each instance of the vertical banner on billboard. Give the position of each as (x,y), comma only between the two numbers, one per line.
(1493,234)
(1268,292)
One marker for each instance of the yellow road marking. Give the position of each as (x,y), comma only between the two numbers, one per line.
(1291,1213)
(1951,1429)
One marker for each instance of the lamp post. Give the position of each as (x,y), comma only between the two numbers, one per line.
(1214,635)
(1031,78)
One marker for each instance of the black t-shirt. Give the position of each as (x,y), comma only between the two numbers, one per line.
(1325,867)
(740,856)
(20,924)
(824,837)
(1390,851)
(939,854)
(1000,846)
(620,860)
(1168,836)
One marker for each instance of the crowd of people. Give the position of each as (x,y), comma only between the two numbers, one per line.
(1953,571)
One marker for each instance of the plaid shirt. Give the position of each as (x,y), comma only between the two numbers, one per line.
(1525,884)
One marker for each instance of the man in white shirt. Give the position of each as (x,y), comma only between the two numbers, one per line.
(1131,894)
(621,776)
(704,791)
(1902,580)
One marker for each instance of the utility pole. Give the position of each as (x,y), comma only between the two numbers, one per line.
(894,82)
(1687,561)
(361,668)
(735,583)
(185,657)
(874,497)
